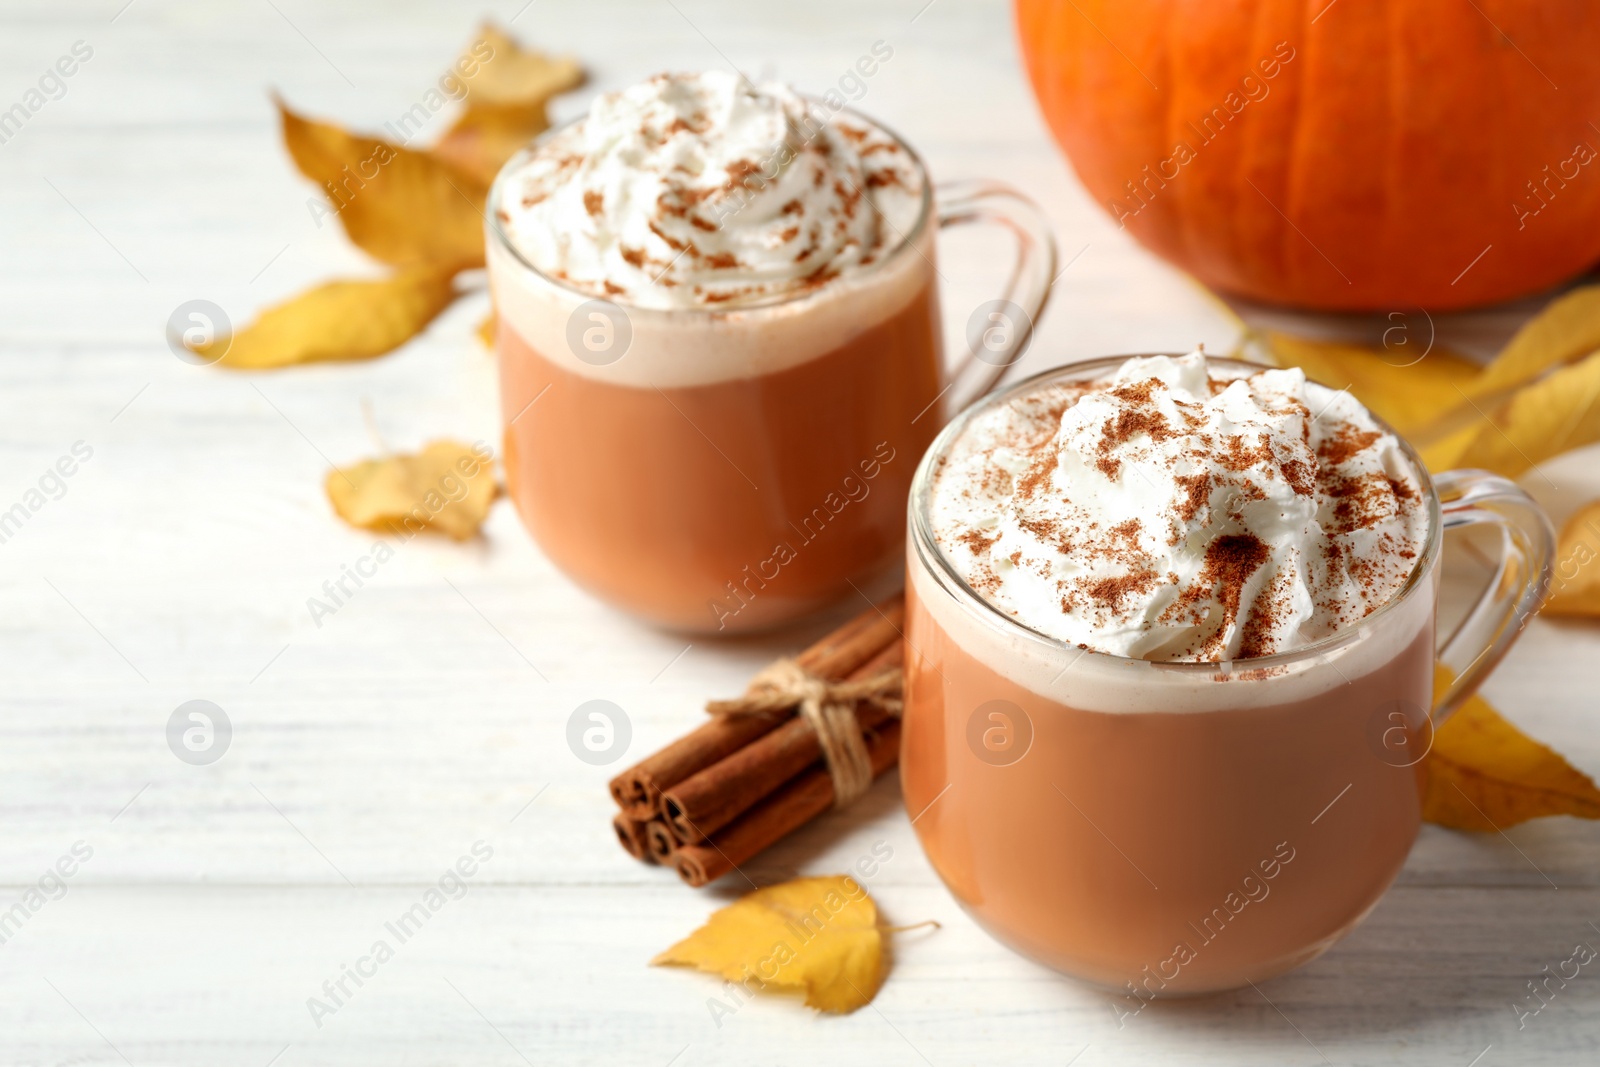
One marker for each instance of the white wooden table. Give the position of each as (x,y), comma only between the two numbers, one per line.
(429,713)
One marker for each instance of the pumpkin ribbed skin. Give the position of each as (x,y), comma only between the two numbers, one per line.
(1394,142)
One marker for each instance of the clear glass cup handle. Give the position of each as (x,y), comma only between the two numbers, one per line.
(1475,497)
(1000,330)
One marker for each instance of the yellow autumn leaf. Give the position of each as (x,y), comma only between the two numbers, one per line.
(1442,449)
(1566,329)
(1406,397)
(819,936)
(337,321)
(400,206)
(1575,585)
(1484,774)
(1555,414)
(506,93)
(447,487)
(513,76)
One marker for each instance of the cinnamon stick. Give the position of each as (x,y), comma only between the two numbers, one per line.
(785,811)
(631,835)
(707,801)
(660,845)
(638,789)
(866,635)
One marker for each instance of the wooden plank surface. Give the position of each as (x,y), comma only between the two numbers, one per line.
(429,712)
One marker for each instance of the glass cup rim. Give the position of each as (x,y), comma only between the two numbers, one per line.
(927,548)
(503,240)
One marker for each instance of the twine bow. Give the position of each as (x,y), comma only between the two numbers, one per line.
(829,709)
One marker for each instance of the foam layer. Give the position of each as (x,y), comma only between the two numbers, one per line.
(667,349)
(700,190)
(731,231)
(1172,513)
(1090,681)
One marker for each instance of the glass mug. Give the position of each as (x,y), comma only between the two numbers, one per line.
(730,469)
(1174,828)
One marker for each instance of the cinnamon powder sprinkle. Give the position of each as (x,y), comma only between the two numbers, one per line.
(669,240)
(1037,474)
(1344,443)
(1230,561)
(1301,478)
(1361,502)
(695,124)
(1257,638)
(1130,422)
(1239,455)
(1196,490)
(980,541)
(1044,529)
(739,173)
(1111,592)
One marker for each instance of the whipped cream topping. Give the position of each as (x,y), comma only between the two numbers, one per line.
(705,190)
(1175,511)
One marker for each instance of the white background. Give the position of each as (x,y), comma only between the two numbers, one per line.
(429,713)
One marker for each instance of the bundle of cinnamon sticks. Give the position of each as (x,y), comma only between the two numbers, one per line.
(755,771)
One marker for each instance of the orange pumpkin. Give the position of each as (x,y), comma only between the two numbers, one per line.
(1335,154)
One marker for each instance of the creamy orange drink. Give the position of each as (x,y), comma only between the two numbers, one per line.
(720,347)
(1170,655)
